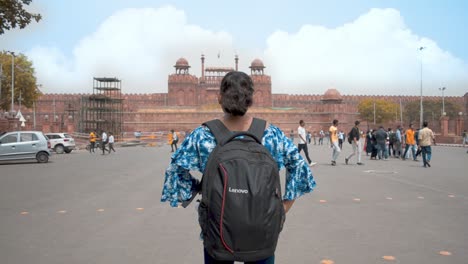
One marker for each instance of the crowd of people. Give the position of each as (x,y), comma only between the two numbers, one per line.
(401,144)
(102,140)
(379,144)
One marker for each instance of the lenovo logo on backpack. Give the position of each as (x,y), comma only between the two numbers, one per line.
(244,227)
(238,190)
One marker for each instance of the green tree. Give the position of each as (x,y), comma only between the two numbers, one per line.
(432,110)
(25,81)
(13,14)
(384,110)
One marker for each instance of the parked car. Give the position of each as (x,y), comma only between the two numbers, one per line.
(22,145)
(61,142)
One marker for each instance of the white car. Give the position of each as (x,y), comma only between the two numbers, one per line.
(61,142)
(22,145)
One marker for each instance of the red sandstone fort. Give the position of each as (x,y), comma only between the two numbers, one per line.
(191,100)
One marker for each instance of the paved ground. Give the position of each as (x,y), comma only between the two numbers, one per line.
(83,208)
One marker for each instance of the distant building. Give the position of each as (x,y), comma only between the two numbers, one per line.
(191,100)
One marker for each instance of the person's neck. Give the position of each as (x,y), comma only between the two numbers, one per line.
(237,123)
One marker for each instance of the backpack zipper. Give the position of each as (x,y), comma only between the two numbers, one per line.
(222,210)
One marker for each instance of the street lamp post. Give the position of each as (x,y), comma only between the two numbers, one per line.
(421,101)
(374,112)
(12,81)
(1,77)
(443,101)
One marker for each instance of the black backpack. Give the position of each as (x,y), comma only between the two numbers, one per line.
(392,137)
(352,135)
(241,212)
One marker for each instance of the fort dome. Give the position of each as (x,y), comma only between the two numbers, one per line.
(257,63)
(331,95)
(182,62)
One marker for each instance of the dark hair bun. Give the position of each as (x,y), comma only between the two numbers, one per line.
(236,93)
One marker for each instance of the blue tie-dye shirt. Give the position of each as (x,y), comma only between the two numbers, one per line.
(194,152)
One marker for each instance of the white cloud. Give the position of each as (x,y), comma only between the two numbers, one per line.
(375,54)
(139,46)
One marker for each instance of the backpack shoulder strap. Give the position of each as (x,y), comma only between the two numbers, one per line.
(221,132)
(257,128)
(218,129)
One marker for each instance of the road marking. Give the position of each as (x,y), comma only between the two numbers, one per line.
(389,258)
(445,253)
(427,187)
(380,172)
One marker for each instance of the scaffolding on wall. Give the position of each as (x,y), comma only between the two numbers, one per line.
(102,111)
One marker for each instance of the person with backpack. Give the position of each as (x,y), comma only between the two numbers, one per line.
(353,139)
(242,209)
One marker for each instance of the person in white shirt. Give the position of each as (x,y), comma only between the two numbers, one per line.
(322,135)
(301,132)
(175,140)
(104,140)
(111,142)
(341,138)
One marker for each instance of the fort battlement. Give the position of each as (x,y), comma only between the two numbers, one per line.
(191,100)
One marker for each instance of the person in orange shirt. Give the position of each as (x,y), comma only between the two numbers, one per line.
(92,141)
(410,142)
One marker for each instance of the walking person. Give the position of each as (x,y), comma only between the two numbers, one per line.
(321,136)
(174,140)
(104,141)
(92,141)
(410,142)
(426,138)
(465,138)
(301,132)
(391,142)
(417,146)
(315,137)
(341,137)
(236,97)
(381,138)
(334,141)
(355,136)
(369,144)
(111,142)
(397,144)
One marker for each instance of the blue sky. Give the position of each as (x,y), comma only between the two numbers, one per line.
(253,29)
